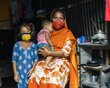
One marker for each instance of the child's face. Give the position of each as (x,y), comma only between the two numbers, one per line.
(24,30)
(49,27)
(25,34)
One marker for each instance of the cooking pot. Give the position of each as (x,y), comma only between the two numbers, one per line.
(100,37)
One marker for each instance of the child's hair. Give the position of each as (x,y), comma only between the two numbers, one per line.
(30,27)
(45,22)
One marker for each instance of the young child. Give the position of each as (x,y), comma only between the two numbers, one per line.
(43,38)
(24,58)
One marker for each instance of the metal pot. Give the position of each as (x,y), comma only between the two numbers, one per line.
(100,37)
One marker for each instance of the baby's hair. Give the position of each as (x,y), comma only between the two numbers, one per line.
(45,22)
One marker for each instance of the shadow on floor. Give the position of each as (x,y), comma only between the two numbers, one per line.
(8,82)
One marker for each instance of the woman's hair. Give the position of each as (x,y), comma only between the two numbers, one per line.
(59,10)
(30,27)
(45,22)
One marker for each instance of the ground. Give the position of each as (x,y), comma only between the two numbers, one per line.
(8,82)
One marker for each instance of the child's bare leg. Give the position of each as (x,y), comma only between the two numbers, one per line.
(48,59)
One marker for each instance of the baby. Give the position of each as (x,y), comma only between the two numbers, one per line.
(43,38)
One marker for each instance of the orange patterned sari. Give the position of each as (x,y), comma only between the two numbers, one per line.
(60,70)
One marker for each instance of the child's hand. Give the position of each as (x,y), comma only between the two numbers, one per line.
(16,78)
(30,71)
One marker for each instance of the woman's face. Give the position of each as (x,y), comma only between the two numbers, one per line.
(58,16)
(58,20)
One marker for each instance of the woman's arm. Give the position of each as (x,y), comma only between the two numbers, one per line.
(64,52)
(56,53)
(45,52)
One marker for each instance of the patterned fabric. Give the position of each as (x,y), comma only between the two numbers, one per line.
(58,39)
(24,59)
(56,74)
(41,36)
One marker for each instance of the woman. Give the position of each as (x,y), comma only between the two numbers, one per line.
(63,67)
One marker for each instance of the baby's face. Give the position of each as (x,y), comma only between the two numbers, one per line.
(49,27)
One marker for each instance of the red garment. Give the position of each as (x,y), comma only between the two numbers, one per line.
(107,10)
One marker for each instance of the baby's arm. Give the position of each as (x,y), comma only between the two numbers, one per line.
(49,40)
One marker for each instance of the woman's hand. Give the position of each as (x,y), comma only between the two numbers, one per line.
(44,51)
(16,78)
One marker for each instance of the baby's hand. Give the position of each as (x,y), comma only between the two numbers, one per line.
(16,78)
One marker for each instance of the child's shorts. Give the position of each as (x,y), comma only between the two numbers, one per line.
(39,46)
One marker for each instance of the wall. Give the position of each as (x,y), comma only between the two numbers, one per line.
(81,14)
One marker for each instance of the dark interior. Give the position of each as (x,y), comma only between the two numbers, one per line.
(79,16)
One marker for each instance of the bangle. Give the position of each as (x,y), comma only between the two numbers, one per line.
(52,48)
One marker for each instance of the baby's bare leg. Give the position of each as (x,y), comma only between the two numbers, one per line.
(48,59)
